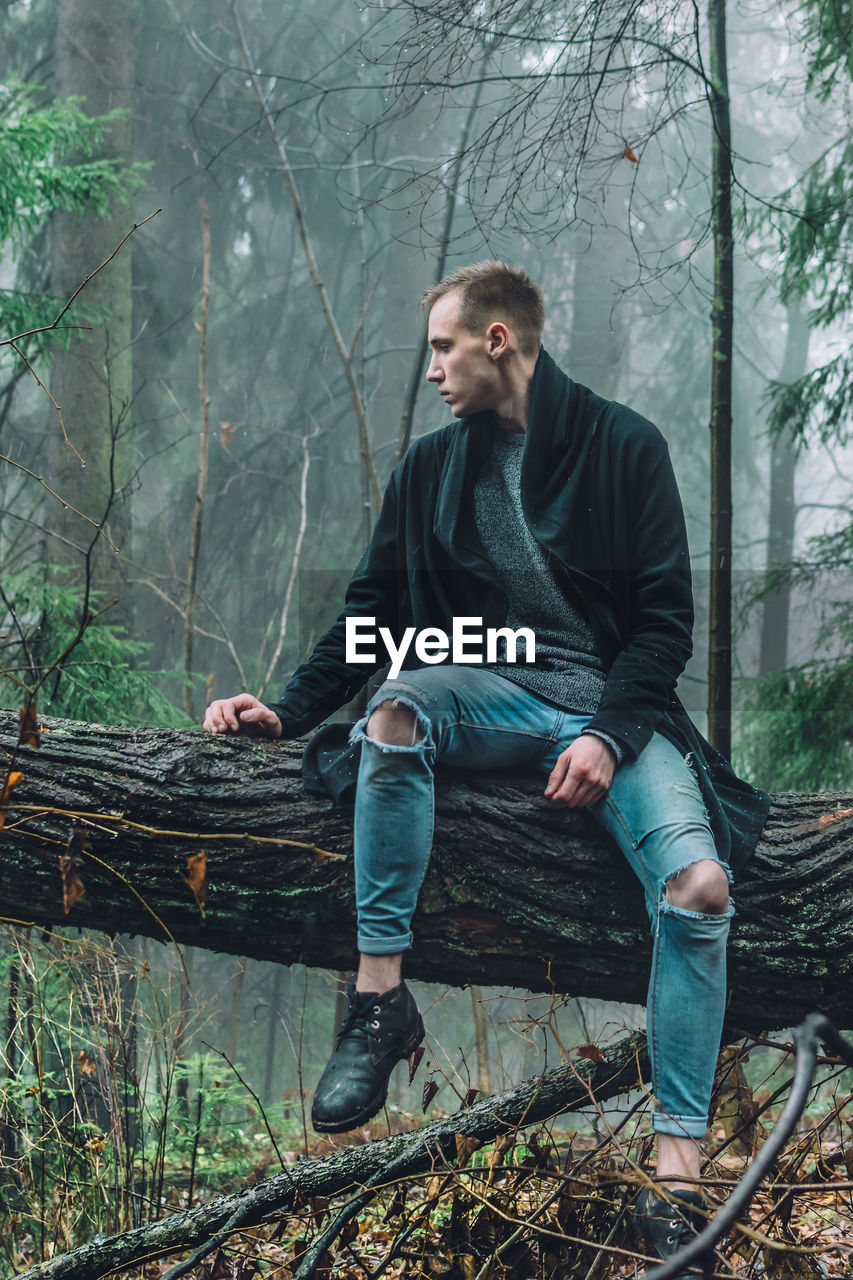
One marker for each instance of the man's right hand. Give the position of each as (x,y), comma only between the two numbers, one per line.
(242,714)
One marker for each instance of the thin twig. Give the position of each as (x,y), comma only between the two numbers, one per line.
(87,853)
(260,1105)
(208,635)
(99,528)
(51,398)
(16,622)
(294,564)
(46,328)
(40,810)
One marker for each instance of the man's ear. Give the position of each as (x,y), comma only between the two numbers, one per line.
(498,339)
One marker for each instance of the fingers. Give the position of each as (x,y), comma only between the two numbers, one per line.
(221,716)
(260,722)
(576,792)
(583,773)
(226,715)
(241,714)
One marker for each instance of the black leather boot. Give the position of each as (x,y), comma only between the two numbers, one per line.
(668,1226)
(377,1032)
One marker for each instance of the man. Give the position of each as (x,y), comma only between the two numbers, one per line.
(541,506)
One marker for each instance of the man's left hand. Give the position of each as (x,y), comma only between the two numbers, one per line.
(583,773)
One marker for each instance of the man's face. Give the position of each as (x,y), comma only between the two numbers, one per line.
(461,367)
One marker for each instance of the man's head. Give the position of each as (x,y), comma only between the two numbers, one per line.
(485,328)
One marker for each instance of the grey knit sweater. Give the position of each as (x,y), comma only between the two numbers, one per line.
(568,671)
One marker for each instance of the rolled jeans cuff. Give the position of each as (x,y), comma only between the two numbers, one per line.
(680,1126)
(384,946)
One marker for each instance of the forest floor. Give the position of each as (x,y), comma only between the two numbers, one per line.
(556,1203)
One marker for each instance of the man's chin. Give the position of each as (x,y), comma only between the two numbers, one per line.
(457,408)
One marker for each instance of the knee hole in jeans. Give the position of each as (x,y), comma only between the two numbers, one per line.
(702,887)
(395,724)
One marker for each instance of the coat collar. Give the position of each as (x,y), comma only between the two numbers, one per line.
(562,417)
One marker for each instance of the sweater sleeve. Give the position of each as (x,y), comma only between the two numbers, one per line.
(658,636)
(327,681)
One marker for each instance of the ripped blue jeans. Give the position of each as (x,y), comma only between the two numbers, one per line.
(471,718)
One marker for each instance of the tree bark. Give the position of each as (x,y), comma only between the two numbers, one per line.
(518,893)
(402,1156)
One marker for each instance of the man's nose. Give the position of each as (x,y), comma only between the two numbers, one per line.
(432,374)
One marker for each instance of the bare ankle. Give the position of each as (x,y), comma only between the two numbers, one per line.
(378,973)
(679,1162)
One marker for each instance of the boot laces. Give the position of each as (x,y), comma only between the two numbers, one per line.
(358,1018)
(682,1233)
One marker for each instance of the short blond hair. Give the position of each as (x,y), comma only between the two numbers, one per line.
(494,290)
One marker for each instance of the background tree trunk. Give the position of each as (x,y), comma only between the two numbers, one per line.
(203,454)
(775,617)
(518,893)
(92,380)
(722,331)
(598,337)
(481,1034)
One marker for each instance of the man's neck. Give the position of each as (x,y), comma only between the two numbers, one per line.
(510,413)
(516,425)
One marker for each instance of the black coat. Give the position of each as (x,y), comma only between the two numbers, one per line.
(599,494)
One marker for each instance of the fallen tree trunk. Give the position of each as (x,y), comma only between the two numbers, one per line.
(572,1087)
(518,893)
